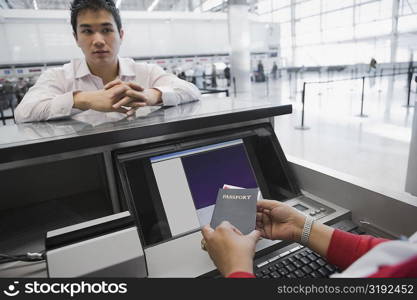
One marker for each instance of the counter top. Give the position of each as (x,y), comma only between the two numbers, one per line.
(93,129)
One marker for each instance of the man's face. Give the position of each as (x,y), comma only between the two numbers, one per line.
(98,37)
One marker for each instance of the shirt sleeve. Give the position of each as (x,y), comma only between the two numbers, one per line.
(46,100)
(174,90)
(346,247)
(241,275)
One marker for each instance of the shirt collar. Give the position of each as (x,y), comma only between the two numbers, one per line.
(126,68)
(81,68)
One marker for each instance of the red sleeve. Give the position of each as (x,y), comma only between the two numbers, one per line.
(241,275)
(346,247)
(406,269)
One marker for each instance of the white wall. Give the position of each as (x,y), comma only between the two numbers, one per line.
(28,36)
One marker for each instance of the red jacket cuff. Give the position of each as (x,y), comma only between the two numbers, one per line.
(241,275)
(346,247)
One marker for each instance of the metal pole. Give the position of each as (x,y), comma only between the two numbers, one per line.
(302,127)
(362,99)
(380,80)
(409,79)
(267,85)
(234,86)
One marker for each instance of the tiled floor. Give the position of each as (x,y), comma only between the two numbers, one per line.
(374,148)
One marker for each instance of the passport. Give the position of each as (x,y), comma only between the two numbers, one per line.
(238,207)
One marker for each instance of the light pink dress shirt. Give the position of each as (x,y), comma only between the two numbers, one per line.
(52,95)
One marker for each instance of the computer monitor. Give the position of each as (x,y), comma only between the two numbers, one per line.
(198,174)
(171,188)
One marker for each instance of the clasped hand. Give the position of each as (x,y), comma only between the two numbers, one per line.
(118,96)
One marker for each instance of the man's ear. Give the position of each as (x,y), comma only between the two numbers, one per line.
(122,33)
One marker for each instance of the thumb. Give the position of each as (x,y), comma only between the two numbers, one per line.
(255,235)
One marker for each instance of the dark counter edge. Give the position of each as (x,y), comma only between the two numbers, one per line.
(50,147)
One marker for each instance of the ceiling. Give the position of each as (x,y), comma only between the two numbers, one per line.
(156,5)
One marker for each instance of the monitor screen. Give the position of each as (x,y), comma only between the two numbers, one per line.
(189,180)
(171,186)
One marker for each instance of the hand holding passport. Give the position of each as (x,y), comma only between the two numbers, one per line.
(238,207)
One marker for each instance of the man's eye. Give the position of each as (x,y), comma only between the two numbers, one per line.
(107,30)
(87,31)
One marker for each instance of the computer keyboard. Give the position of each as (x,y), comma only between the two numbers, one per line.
(297,262)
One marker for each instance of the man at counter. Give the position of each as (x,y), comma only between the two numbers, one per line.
(101,81)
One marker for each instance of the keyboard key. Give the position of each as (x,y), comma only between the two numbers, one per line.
(297,256)
(259,274)
(315,274)
(304,253)
(309,251)
(266,276)
(265,271)
(272,268)
(330,268)
(314,265)
(321,262)
(307,269)
(299,273)
(279,265)
(275,275)
(305,260)
(290,267)
(323,272)
(298,264)
(291,259)
(291,276)
(283,271)
(312,256)
(285,262)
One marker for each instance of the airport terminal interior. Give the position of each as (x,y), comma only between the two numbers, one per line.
(331,84)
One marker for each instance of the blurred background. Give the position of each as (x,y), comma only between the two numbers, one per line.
(347,66)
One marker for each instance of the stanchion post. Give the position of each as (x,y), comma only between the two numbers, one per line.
(234,86)
(302,127)
(362,99)
(409,79)
(267,85)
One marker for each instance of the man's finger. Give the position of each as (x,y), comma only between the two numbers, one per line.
(119,92)
(122,110)
(137,96)
(135,86)
(134,106)
(123,102)
(113,83)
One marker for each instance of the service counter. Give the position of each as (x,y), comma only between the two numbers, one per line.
(59,173)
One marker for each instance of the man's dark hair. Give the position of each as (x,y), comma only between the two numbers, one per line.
(79,5)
